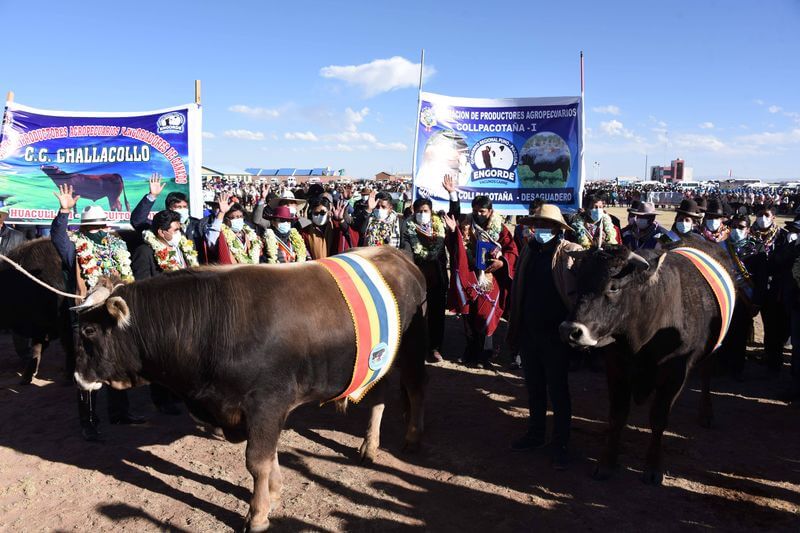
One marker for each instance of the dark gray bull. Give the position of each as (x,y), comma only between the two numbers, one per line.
(547,162)
(657,318)
(273,338)
(92,186)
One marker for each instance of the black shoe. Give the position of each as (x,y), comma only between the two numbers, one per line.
(128,420)
(560,459)
(168,409)
(90,433)
(526,443)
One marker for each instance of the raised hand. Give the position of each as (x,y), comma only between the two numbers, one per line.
(156,186)
(337,213)
(264,191)
(65,197)
(449,183)
(371,201)
(224,203)
(450,222)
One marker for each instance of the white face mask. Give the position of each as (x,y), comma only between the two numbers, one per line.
(237,224)
(364,198)
(683,227)
(320,219)
(543,236)
(175,240)
(713,223)
(737,234)
(184,213)
(423,218)
(381,214)
(764,221)
(284,227)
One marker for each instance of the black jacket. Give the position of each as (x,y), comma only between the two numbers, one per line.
(194,230)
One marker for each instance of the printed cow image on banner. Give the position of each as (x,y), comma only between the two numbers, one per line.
(513,150)
(106,157)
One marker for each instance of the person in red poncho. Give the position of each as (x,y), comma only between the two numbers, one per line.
(482,261)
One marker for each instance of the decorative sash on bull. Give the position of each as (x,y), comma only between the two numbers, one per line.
(720,282)
(376,319)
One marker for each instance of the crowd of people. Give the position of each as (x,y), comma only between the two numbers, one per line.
(473,263)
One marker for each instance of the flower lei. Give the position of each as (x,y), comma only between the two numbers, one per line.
(96,260)
(295,239)
(237,247)
(493,229)
(165,256)
(380,232)
(428,247)
(584,238)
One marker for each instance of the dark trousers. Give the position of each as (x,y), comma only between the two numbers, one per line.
(87,406)
(776,331)
(437,301)
(545,362)
(476,340)
(795,319)
(733,351)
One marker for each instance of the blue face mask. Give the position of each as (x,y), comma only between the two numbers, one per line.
(543,236)
(596,214)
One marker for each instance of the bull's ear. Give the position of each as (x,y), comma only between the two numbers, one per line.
(118,309)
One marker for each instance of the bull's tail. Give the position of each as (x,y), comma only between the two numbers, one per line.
(341,405)
(124,195)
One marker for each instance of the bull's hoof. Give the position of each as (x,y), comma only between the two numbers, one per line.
(603,472)
(252,528)
(367,454)
(31,369)
(652,476)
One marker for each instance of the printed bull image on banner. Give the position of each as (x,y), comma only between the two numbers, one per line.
(513,150)
(106,157)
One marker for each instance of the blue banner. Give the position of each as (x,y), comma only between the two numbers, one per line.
(513,150)
(106,157)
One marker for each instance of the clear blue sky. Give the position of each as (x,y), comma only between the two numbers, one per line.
(714,82)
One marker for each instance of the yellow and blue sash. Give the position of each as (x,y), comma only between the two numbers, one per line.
(720,282)
(376,319)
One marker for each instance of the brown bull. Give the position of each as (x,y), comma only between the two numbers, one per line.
(92,186)
(244,345)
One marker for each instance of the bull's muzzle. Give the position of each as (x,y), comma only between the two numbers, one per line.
(576,335)
(86,385)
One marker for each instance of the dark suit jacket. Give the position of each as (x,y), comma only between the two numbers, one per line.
(195,229)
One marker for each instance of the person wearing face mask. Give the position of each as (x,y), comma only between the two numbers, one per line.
(165,249)
(687,218)
(714,229)
(87,255)
(378,222)
(423,236)
(328,233)
(645,233)
(766,231)
(594,227)
(285,198)
(483,229)
(194,229)
(234,241)
(282,242)
(750,264)
(542,297)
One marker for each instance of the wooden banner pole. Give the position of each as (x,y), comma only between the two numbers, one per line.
(10,96)
(197,92)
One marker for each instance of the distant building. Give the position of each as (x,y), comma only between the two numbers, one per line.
(299,175)
(386,176)
(676,172)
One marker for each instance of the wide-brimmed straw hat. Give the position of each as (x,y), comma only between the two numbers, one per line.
(94,215)
(280,213)
(644,209)
(547,212)
(286,195)
(689,208)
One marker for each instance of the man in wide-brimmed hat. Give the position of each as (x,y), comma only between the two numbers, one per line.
(283,243)
(687,220)
(89,254)
(714,229)
(595,227)
(644,232)
(9,237)
(542,296)
(285,198)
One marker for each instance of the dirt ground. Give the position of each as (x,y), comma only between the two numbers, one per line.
(168,476)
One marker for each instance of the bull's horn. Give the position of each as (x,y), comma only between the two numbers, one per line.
(638,261)
(95,298)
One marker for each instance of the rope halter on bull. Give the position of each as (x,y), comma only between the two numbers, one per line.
(37,280)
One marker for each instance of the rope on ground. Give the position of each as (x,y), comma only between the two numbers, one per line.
(37,280)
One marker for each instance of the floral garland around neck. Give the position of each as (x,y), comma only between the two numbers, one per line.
(96,260)
(380,232)
(585,239)
(237,248)
(295,239)
(426,247)
(493,229)
(165,256)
